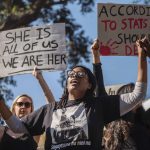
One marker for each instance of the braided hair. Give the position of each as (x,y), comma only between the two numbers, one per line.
(89,93)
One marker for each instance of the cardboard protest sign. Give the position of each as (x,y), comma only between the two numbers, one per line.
(119,25)
(22,49)
(112,89)
(119,89)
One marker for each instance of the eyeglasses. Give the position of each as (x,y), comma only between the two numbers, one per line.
(21,104)
(79,74)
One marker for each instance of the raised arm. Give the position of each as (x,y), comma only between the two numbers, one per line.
(8,116)
(48,94)
(97,70)
(129,101)
(143,49)
(4,110)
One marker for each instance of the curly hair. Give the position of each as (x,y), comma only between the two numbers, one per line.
(116,135)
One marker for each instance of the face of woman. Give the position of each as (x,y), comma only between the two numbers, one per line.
(78,81)
(22,107)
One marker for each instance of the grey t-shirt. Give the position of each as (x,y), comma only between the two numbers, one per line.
(79,125)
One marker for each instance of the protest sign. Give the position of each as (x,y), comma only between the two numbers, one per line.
(112,89)
(119,26)
(119,88)
(22,49)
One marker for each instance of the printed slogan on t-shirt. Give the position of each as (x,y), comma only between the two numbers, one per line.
(24,48)
(119,26)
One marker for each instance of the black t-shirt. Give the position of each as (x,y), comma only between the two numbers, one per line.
(77,126)
(10,140)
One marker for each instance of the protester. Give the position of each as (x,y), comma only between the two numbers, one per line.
(117,134)
(22,105)
(129,132)
(123,133)
(77,121)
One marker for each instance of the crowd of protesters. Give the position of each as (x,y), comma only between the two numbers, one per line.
(86,117)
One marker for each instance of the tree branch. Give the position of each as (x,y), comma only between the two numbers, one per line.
(14,21)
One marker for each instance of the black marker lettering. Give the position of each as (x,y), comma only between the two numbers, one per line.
(39,33)
(9,36)
(46,30)
(10,49)
(26,34)
(12,63)
(103,11)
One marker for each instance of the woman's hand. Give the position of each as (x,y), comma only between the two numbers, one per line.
(95,48)
(95,51)
(37,73)
(143,46)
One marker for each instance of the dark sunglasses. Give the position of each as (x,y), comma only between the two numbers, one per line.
(79,74)
(25,104)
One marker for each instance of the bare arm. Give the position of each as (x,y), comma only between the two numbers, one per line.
(7,115)
(4,110)
(143,46)
(48,94)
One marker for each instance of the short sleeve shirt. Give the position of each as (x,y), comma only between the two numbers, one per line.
(77,126)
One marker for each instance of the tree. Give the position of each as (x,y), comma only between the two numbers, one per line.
(23,13)
(143,1)
(4,87)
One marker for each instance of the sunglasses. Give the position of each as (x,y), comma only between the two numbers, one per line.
(79,74)
(25,104)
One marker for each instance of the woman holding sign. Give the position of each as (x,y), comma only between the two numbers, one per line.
(22,106)
(77,121)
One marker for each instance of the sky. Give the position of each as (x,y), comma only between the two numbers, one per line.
(116,69)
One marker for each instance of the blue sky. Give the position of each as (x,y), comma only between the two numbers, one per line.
(116,70)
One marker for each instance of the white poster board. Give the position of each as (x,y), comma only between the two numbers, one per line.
(119,25)
(22,49)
